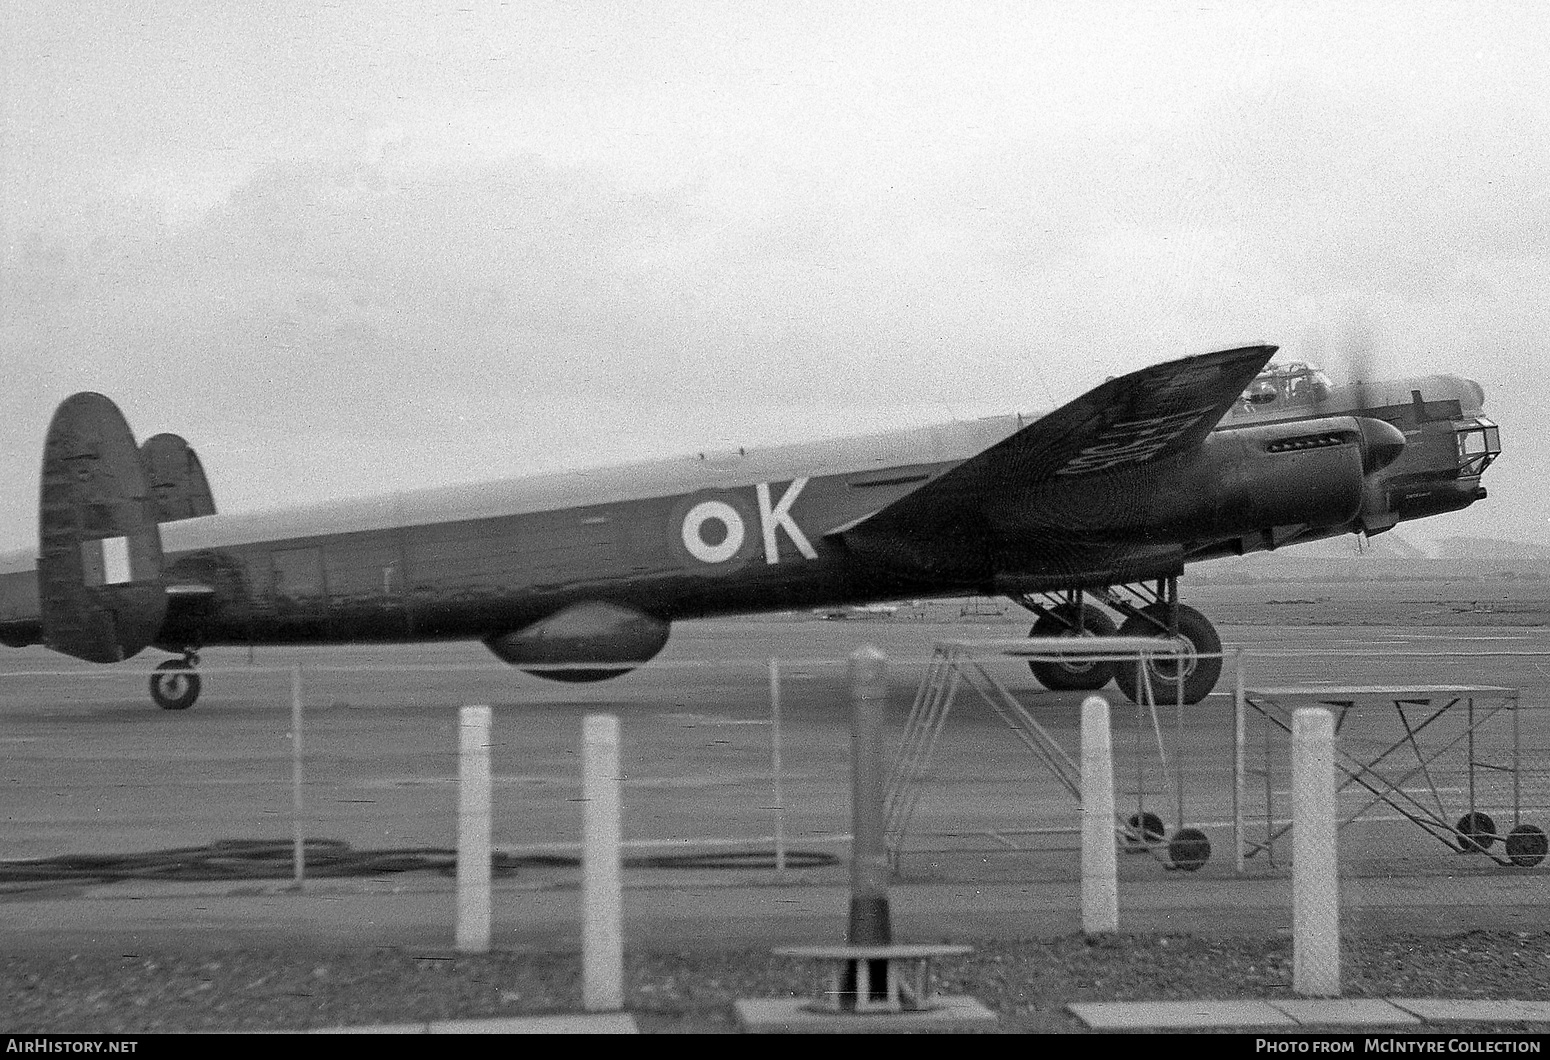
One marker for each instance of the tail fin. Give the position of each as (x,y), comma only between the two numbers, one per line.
(99,554)
(177,480)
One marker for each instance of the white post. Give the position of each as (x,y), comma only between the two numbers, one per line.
(298,840)
(473,831)
(602,920)
(1100,880)
(775,768)
(1315,864)
(871,923)
(1238,735)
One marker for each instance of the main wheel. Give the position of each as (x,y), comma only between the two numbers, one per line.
(1073,675)
(174,685)
(1198,669)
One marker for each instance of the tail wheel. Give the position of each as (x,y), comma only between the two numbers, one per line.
(1073,675)
(1197,670)
(175,685)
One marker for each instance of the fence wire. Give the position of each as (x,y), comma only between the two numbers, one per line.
(726,768)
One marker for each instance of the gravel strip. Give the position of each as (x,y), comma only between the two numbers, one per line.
(1027,983)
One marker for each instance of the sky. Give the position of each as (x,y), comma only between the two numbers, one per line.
(351,248)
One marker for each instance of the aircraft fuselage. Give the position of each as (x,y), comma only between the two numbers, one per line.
(1126,484)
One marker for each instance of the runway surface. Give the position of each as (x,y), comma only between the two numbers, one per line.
(93,768)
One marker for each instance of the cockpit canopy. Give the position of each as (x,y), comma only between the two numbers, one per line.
(1479,444)
(1289,383)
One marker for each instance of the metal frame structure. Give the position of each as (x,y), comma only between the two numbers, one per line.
(958,662)
(1119,597)
(1384,775)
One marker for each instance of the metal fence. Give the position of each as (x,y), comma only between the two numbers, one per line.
(742,763)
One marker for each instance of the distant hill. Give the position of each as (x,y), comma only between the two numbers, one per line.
(1492,548)
(1385,557)
(1390,545)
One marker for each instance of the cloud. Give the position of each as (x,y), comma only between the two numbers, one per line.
(646,248)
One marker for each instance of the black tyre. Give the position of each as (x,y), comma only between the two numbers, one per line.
(1073,675)
(1526,845)
(174,685)
(1198,670)
(1476,832)
(1189,849)
(1144,829)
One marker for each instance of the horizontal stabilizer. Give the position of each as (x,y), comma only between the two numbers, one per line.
(179,488)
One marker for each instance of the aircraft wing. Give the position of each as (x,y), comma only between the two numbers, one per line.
(1120,426)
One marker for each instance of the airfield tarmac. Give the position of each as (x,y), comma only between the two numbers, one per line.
(92,768)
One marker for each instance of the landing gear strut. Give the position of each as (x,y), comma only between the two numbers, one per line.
(174,684)
(1072,618)
(1197,670)
(1150,610)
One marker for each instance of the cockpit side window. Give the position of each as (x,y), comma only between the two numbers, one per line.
(1262,392)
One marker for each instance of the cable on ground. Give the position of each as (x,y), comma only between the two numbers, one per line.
(262,859)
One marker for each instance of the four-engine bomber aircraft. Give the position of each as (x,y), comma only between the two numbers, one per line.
(580,576)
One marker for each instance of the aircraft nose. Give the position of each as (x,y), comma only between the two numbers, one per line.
(1476,391)
(1382,442)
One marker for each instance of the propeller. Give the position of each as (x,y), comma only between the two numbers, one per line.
(1360,357)
(1352,364)
(1355,372)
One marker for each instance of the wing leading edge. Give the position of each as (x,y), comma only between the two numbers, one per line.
(1120,426)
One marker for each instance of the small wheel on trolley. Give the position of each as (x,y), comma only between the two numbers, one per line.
(1189,849)
(1143,830)
(1526,845)
(1476,831)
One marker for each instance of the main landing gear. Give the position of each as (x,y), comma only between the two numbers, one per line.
(1149,610)
(174,684)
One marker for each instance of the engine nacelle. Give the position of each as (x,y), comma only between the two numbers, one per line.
(1308,473)
(1312,473)
(1302,473)
(20,634)
(592,632)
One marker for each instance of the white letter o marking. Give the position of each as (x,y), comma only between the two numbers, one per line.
(703,513)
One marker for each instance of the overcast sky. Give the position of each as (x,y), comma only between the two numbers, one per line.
(350,248)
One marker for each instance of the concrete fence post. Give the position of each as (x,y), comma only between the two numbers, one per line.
(1100,873)
(1315,856)
(870,924)
(473,831)
(776,767)
(298,806)
(602,907)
